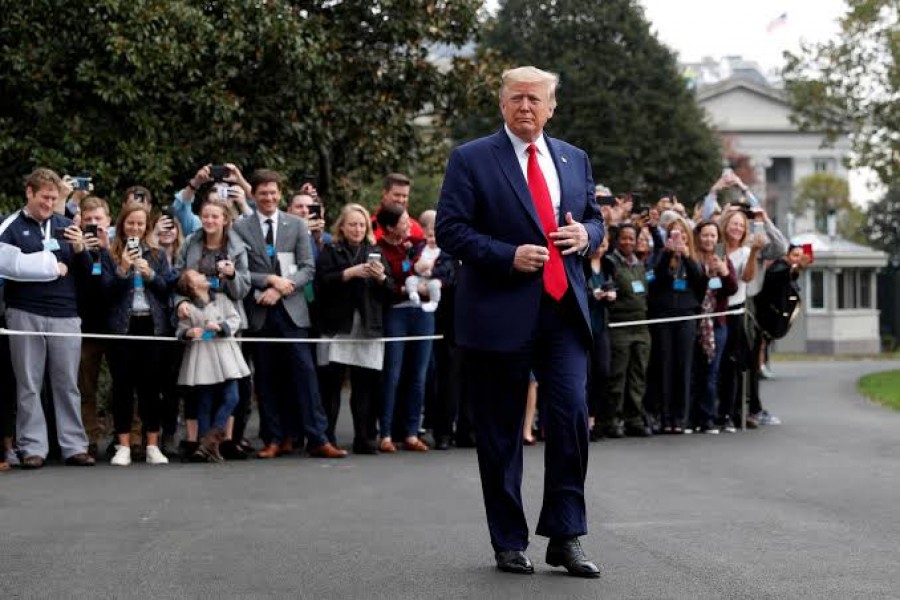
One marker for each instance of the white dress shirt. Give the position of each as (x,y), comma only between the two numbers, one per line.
(265,226)
(545,161)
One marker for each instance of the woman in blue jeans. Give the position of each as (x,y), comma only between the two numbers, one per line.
(402,319)
(712,332)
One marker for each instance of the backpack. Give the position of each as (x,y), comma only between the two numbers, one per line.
(778,303)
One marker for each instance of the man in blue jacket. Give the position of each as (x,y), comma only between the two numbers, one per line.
(517,208)
(50,306)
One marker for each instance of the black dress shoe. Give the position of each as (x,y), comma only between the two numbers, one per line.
(569,554)
(514,561)
(442,442)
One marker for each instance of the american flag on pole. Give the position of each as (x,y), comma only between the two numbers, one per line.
(777,22)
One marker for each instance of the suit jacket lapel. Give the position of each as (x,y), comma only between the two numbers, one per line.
(509,165)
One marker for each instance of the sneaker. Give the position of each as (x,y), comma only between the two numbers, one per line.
(765,371)
(121,457)
(709,427)
(728,426)
(155,456)
(767,418)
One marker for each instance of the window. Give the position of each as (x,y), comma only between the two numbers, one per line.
(854,289)
(824,165)
(816,289)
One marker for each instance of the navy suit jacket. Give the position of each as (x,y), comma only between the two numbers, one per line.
(485,212)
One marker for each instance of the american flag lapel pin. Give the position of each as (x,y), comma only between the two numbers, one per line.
(564,159)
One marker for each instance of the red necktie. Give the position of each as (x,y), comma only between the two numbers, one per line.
(555,282)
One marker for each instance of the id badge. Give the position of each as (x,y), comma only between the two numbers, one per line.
(638,287)
(650,276)
(679,285)
(96,269)
(270,250)
(405,266)
(715,283)
(208,335)
(52,245)
(213,282)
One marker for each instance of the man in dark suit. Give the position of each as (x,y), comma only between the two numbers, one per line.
(280,261)
(517,208)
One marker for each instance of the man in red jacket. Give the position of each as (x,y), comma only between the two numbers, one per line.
(395,191)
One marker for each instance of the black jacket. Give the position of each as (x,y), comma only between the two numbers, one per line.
(664,300)
(338,299)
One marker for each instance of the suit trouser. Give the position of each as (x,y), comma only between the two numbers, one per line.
(498,382)
(59,356)
(286,382)
(629,355)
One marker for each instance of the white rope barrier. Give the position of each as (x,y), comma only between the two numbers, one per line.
(736,311)
(153,338)
(340,340)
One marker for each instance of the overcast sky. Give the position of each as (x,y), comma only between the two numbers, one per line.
(717,28)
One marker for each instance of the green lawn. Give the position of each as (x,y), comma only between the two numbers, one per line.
(883,388)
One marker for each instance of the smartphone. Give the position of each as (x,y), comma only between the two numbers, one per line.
(133,245)
(219,172)
(83,183)
(675,235)
(90,229)
(60,234)
(374,257)
(222,191)
(139,196)
(606,200)
(757,227)
(315,211)
(168,212)
(720,250)
(308,178)
(808,251)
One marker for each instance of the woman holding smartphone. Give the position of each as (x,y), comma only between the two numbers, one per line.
(218,253)
(354,286)
(136,284)
(677,290)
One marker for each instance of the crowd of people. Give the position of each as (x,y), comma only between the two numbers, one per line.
(224,298)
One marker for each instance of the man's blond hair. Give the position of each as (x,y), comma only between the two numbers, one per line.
(531,75)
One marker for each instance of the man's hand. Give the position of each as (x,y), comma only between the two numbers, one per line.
(235,176)
(571,237)
(530,258)
(284,286)
(270,297)
(76,238)
(310,190)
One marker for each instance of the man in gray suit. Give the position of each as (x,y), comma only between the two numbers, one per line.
(280,261)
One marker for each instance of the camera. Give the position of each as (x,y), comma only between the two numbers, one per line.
(139,196)
(219,172)
(315,211)
(90,229)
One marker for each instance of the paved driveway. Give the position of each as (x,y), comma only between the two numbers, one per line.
(808,509)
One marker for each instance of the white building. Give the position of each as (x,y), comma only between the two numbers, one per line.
(839,290)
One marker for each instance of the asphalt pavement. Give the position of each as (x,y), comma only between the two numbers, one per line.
(806,509)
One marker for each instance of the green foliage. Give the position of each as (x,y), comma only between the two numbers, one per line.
(148,90)
(621,97)
(850,84)
(882,226)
